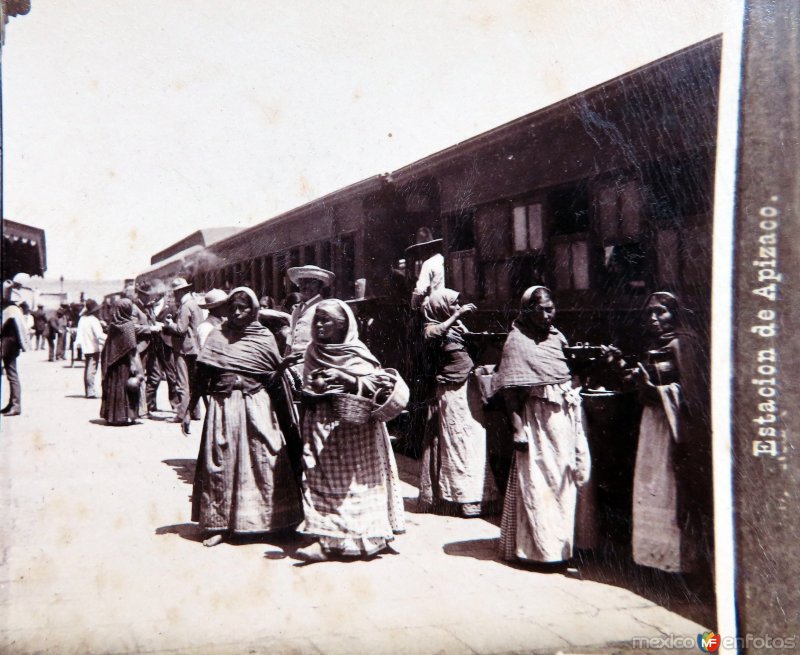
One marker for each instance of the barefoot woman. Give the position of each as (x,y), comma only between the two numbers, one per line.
(244,481)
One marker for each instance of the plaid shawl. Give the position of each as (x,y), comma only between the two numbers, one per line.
(350,356)
(250,349)
(527,362)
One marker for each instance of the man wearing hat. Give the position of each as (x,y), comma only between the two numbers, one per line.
(216,303)
(90,338)
(311,280)
(39,326)
(185,345)
(429,265)
(56,335)
(13,340)
(158,360)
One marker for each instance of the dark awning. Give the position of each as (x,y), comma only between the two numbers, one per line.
(24,250)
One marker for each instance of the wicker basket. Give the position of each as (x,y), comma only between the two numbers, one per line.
(397,400)
(349,408)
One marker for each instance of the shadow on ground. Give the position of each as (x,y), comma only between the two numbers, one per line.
(481,549)
(184,468)
(688,597)
(613,566)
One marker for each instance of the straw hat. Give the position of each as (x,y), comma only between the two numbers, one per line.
(213,299)
(298,273)
(180,283)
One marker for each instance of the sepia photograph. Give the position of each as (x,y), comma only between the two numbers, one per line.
(349,327)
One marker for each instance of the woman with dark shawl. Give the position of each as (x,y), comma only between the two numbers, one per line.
(551,454)
(244,482)
(123,373)
(672,512)
(455,478)
(351,491)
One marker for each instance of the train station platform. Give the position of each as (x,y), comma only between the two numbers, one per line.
(99,556)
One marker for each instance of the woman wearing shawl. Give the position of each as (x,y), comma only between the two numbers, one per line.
(121,365)
(672,513)
(551,454)
(455,477)
(351,493)
(244,482)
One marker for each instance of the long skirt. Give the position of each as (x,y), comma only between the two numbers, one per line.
(659,539)
(538,522)
(120,406)
(351,494)
(455,477)
(244,480)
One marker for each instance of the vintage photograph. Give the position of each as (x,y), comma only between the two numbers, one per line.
(347,327)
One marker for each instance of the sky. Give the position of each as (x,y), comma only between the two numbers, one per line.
(128,125)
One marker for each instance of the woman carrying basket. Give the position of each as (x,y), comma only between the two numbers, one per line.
(351,492)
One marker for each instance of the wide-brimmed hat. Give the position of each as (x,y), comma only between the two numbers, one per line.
(180,283)
(22,279)
(91,307)
(274,315)
(298,273)
(424,245)
(213,299)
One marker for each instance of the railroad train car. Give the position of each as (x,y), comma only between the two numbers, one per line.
(603,197)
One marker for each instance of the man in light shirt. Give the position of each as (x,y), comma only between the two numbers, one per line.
(429,265)
(216,302)
(90,338)
(311,280)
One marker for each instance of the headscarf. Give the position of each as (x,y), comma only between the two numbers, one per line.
(691,359)
(671,302)
(528,361)
(249,349)
(453,363)
(523,318)
(439,306)
(121,333)
(350,356)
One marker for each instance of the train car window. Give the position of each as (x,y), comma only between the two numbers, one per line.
(347,262)
(461,269)
(493,233)
(495,280)
(294,257)
(526,271)
(628,267)
(619,208)
(310,255)
(460,231)
(266,282)
(325,255)
(281,265)
(681,187)
(528,227)
(255,276)
(569,210)
(571,265)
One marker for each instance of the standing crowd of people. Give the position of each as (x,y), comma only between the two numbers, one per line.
(296,406)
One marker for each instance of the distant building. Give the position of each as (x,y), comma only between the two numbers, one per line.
(172,261)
